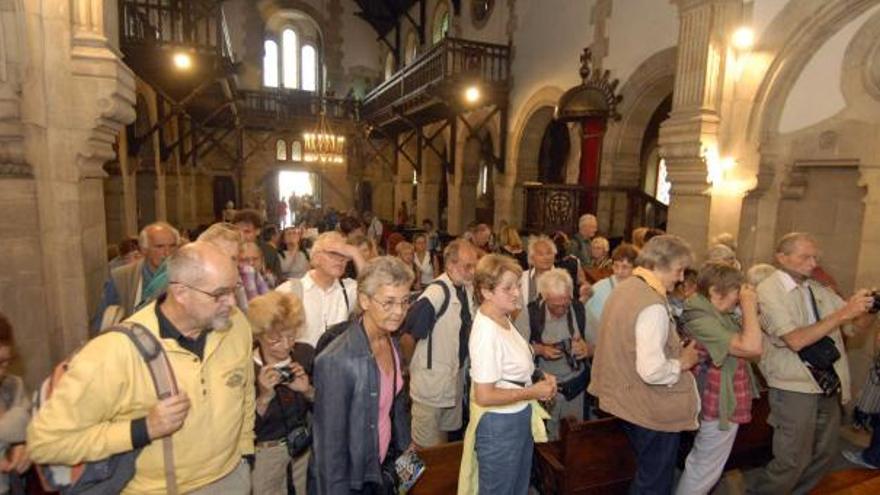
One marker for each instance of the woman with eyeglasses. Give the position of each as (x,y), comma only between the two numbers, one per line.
(502,428)
(361,423)
(283,395)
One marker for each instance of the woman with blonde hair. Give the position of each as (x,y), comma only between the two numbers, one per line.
(502,430)
(510,244)
(283,394)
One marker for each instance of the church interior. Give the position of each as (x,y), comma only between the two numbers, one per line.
(752,118)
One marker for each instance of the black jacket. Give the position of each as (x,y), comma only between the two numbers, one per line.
(345,450)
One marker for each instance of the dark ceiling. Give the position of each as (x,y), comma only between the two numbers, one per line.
(383,14)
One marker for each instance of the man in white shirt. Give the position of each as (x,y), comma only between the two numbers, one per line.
(327,297)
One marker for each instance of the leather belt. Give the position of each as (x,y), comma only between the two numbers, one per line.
(270,443)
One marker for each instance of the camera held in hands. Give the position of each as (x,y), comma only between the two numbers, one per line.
(286,373)
(875,305)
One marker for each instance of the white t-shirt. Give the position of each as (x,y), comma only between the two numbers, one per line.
(499,355)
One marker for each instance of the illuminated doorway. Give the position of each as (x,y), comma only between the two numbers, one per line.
(300,192)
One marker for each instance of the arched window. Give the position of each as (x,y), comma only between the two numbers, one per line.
(389,65)
(296,151)
(270,64)
(412,48)
(288,59)
(309,68)
(441,23)
(280,150)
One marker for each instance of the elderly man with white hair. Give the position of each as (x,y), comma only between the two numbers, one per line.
(557,325)
(588,225)
(542,255)
(125,286)
(328,298)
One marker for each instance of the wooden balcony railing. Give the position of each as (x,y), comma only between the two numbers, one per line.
(283,105)
(551,207)
(198,25)
(621,209)
(451,59)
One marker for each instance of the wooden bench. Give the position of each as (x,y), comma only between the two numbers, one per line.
(590,457)
(603,460)
(441,470)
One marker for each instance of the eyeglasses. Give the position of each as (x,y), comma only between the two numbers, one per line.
(279,339)
(217,295)
(387,305)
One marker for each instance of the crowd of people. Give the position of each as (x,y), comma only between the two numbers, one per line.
(310,362)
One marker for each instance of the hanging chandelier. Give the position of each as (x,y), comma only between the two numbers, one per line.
(321,145)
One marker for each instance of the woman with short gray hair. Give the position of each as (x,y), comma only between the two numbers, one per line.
(361,422)
(640,366)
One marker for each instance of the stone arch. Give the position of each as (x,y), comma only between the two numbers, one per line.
(788,44)
(643,92)
(531,120)
(793,37)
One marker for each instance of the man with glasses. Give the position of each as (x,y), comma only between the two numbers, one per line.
(805,365)
(328,298)
(440,322)
(556,333)
(106,404)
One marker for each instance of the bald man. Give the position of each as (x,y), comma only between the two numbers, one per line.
(106,403)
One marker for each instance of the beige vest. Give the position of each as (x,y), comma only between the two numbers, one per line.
(127,279)
(615,381)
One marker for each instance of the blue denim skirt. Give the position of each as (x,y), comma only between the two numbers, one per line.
(504,447)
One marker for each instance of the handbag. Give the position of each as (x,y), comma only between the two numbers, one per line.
(575,386)
(299,438)
(821,354)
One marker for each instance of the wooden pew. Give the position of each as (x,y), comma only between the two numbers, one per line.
(441,470)
(604,461)
(590,457)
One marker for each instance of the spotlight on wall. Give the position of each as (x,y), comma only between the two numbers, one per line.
(472,94)
(743,38)
(182,61)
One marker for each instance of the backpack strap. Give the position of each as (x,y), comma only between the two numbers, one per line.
(443,305)
(344,296)
(580,316)
(537,318)
(163,381)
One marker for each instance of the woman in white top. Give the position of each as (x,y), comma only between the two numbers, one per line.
(294,262)
(425,264)
(501,369)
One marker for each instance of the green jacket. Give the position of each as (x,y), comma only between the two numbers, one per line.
(714,330)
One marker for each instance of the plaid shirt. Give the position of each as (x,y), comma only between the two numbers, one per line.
(712,389)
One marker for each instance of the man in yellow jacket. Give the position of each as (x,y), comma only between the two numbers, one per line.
(105,403)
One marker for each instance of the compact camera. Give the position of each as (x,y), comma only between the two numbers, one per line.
(875,306)
(286,373)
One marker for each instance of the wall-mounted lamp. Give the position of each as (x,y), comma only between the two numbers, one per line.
(743,39)
(182,61)
(717,167)
(472,94)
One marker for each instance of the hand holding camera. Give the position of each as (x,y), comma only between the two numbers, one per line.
(294,377)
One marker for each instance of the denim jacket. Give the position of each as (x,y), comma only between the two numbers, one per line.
(345,448)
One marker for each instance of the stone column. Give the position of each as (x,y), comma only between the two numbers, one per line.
(692,128)
(153,112)
(76,96)
(128,177)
